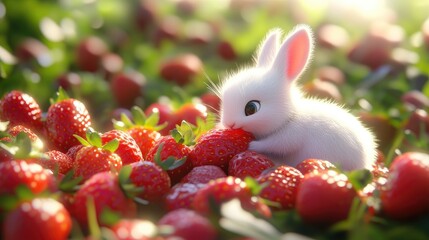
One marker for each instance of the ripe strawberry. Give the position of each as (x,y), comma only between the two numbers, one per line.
(20,172)
(145,138)
(189,112)
(95,157)
(406,193)
(14,130)
(248,163)
(181,195)
(154,180)
(170,148)
(128,149)
(311,165)
(203,174)
(40,218)
(126,88)
(282,186)
(89,53)
(324,197)
(188,224)
(21,109)
(130,229)
(181,69)
(218,146)
(144,130)
(104,189)
(222,190)
(65,118)
(5,156)
(18,141)
(57,161)
(73,151)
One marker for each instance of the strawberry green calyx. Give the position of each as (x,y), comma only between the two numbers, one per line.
(187,133)
(184,134)
(21,146)
(93,138)
(130,189)
(169,163)
(139,119)
(60,96)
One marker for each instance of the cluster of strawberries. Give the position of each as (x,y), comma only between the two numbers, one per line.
(56,168)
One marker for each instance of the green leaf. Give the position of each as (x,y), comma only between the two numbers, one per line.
(109,217)
(112,145)
(94,138)
(119,125)
(24,145)
(138,116)
(254,186)
(24,193)
(60,96)
(359,178)
(184,133)
(124,174)
(8,202)
(126,121)
(82,140)
(70,183)
(94,228)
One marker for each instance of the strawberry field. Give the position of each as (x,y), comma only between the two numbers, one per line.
(109,121)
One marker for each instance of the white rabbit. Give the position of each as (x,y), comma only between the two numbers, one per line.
(288,127)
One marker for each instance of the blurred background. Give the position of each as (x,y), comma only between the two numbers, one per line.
(114,54)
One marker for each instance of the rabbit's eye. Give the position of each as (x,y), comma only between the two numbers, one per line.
(252,107)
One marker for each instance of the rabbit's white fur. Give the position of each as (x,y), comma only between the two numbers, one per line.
(289,127)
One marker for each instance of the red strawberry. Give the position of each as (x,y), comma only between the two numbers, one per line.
(73,151)
(20,172)
(145,138)
(65,118)
(282,186)
(406,193)
(222,190)
(131,229)
(218,146)
(189,225)
(89,53)
(40,218)
(106,193)
(203,174)
(188,112)
(127,87)
(311,165)
(154,180)
(324,197)
(248,163)
(21,109)
(144,130)
(16,129)
(170,148)
(95,157)
(128,149)
(182,195)
(5,155)
(57,161)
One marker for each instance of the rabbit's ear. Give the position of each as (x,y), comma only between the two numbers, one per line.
(294,53)
(268,48)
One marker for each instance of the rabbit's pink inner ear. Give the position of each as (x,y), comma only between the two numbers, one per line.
(297,54)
